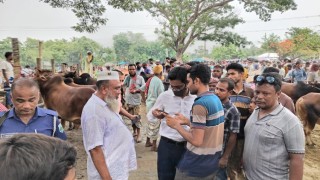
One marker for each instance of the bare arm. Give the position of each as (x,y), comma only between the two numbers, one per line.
(5,75)
(296,166)
(100,163)
(195,136)
(228,149)
(126,113)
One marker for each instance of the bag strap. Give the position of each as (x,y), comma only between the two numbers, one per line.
(3,118)
(54,125)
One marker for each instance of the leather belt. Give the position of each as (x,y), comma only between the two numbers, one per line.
(182,143)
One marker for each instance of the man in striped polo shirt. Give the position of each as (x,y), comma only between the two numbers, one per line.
(205,139)
(241,98)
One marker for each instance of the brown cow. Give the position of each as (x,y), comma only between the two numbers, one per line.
(66,100)
(297,90)
(308,110)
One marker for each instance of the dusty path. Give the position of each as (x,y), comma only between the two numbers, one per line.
(147,160)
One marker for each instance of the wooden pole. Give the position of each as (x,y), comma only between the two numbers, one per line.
(40,49)
(39,63)
(16,58)
(52,66)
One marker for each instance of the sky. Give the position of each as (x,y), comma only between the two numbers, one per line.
(38,20)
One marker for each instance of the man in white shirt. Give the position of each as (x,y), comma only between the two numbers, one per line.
(107,141)
(175,101)
(7,75)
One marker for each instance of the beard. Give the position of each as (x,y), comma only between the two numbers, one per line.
(132,75)
(113,103)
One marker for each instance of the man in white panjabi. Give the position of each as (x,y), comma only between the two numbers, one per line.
(107,141)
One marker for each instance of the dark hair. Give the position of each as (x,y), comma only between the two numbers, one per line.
(229,81)
(235,66)
(271,69)
(201,71)
(35,156)
(24,82)
(277,80)
(132,65)
(7,54)
(178,73)
(137,63)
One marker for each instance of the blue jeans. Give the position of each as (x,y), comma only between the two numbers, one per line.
(8,98)
(221,174)
(169,155)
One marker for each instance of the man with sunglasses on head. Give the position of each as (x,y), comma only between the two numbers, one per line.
(176,100)
(274,149)
(241,97)
(284,99)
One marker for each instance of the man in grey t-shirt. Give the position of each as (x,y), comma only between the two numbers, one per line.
(274,140)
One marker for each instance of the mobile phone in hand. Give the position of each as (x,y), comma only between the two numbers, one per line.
(164,112)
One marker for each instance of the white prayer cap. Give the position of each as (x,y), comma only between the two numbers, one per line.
(107,75)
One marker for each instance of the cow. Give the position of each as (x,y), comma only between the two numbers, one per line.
(70,82)
(308,110)
(299,89)
(66,100)
(83,79)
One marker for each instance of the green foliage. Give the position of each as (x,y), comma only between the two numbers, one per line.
(269,43)
(133,47)
(62,51)
(182,21)
(305,40)
(234,52)
(185,21)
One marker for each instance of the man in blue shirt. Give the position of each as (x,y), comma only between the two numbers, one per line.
(26,117)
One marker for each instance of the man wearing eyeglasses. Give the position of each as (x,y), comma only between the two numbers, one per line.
(176,100)
(241,97)
(274,149)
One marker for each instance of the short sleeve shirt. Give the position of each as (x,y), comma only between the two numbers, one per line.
(207,113)
(268,143)
(133,99)
(41,122)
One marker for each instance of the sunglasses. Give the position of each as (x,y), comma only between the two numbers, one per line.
(269,79)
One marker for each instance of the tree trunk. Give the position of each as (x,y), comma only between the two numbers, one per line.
(16,58)
(179,56)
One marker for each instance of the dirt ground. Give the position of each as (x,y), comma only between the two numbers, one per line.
(147,160)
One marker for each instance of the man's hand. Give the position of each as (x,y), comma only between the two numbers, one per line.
(158,114)
(172,122)
(182,119)
(223,162)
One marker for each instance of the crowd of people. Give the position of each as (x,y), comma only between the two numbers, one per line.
(214,120)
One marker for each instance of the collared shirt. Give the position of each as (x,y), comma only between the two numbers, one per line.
(133,99)
(298,75)
(41,122)
(171,104)
(105,128)
(231,121)
(242,101)
(269,141)
(207,113)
